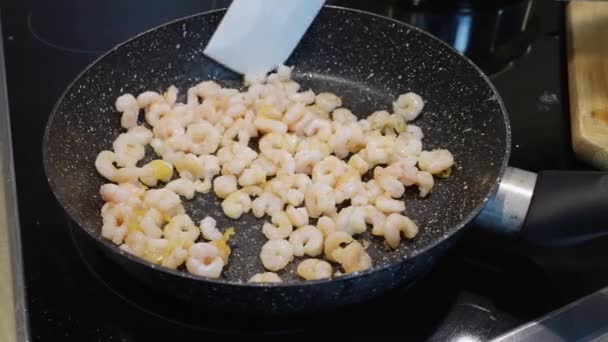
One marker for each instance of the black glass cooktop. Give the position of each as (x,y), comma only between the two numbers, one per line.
(483,288)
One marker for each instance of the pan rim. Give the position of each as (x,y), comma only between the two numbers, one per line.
(300,283)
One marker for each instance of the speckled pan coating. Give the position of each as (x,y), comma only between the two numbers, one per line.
(365,59)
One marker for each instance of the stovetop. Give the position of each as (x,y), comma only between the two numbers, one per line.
(484,287)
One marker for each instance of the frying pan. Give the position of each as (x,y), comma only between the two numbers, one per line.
(367,60)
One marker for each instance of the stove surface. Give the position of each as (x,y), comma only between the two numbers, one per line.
(483,288)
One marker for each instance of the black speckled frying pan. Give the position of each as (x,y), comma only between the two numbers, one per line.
(367,60)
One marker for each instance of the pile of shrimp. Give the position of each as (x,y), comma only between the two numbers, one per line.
(305,179)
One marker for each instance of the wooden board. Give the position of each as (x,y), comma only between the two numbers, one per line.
(587,26)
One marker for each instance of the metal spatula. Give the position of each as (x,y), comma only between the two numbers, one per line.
(255,36)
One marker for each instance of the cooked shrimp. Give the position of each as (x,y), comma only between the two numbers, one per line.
(306,240)
(114,223)
(328,101)
(394,226)
(314,269)
(224,185)
(333,243)
(266,204)
(326,225)
(388,182)
(204,138)
(408,105)
(353,258)
(129,107)
(151,223)
(435,161)
(297,216)
(386,204)
(104,164)
(209,230)
(276,254)
(351,220)
(203,186)
(181,227)
(121,193)
(165,201)
(280,228)
(182,186)
(328,170)
(319,200)
(265,277)
(204,260)
(236,204)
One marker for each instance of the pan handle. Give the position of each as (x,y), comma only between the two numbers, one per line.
(551,208)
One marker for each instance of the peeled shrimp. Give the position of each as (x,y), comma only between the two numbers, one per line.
(276,254)
(306,240)
(265,277)
(204,260)
(314,269)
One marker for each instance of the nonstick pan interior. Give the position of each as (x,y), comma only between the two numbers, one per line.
(365,59)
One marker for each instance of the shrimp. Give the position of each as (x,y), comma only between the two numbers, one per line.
(176,257)
(268,203)
(165,201)
(388,182)
(209,230)
(265,125)
(280,228)
(265,277)
(224,185)
(204,138)
(182,186)
(328,101)
(386,204)
(121,193)
(157,112)
(276,254)
(204,260)
(435,161)
(358,163)
(114,226)
(348,185)
(306,160)
(306,97)
(129,107)
(182,228)
(319,199)
(408,105)
(343,115)
(351,220)
(314,269)
(333,243)
(326,225)
(236,204)
(407,145)
(235,158)
(297,216)
(394,226)
(353,258)
(151,223)
(328,170)
(306,240)
(148,98)
(156,170)
(203,186)
(104,164)
(374,217)
(128,150)
(252,175)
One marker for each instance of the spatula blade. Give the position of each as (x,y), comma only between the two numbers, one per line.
(255,36)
